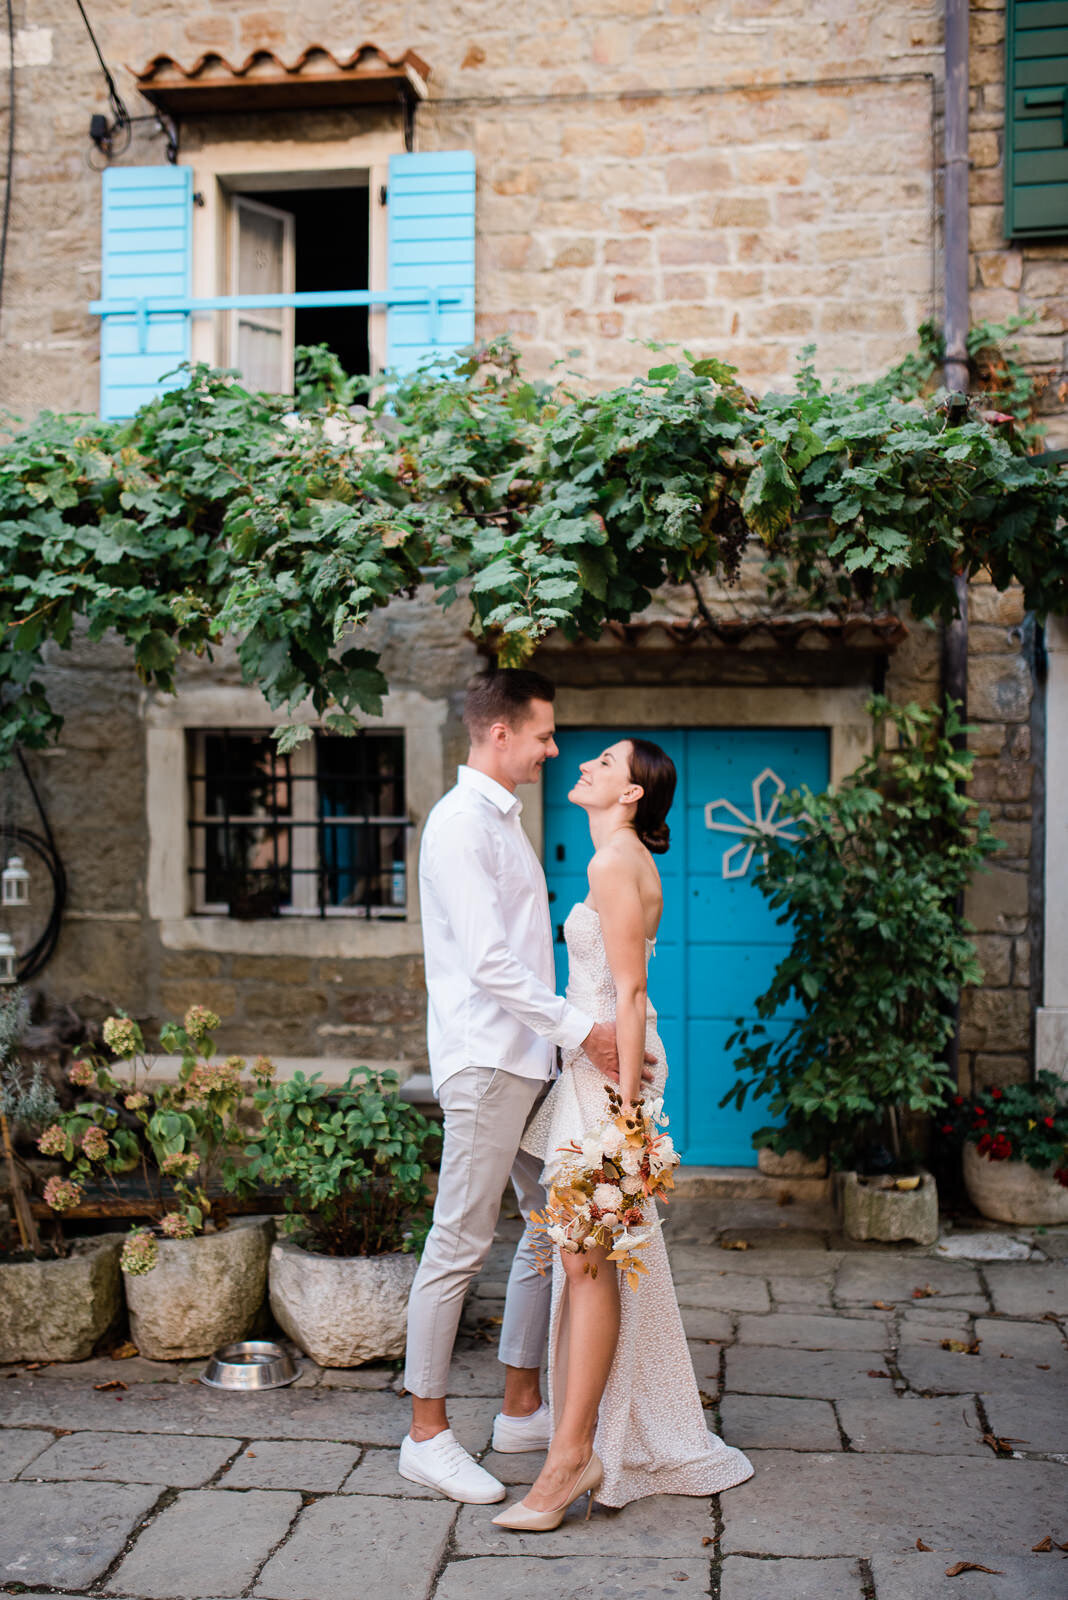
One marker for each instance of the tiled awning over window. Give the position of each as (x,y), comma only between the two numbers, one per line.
(863,634)
(315,80)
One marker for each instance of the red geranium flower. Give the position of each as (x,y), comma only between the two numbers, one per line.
(980,1114)
(958,1099)
(1048,1121)
(1061,1176)
(1001,1148)
(995,1094)
(984,1144)
(947,1127)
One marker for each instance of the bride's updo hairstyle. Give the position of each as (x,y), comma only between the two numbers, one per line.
(655,772)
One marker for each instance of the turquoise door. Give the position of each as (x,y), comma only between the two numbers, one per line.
(718,943)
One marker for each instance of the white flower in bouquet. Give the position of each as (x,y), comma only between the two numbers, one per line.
(612,1140)
(558,1235)
(631,1184)
(607,1197)
(631,1160)
(591,1150)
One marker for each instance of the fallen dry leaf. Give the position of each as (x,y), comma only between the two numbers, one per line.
(734,1244)
(1043,1545)
(785,1199)
(921,1546)
(706,1398)
(250,1455)
(123,1352)
(961,1346)
(1043,1366)
(925,1293)
(1000,1447)
(707,1540)
(971,1566)
(882,1305)
(112,1383)
(875,1372)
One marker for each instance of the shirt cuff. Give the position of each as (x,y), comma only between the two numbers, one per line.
(573,1028)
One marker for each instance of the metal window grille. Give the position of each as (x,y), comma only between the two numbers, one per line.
(319,832)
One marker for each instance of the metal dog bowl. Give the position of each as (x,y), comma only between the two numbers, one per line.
(252,1364)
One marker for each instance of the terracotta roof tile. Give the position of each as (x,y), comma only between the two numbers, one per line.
(877,634)
(264,82)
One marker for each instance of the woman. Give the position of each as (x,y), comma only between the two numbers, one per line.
(620,1375)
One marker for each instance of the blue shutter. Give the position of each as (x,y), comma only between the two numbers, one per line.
(147,251)
(431,246)
(1036,119)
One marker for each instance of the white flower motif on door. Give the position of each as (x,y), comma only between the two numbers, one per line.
(768,790)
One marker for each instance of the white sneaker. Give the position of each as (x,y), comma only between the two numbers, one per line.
(513,1435)
(443,1463)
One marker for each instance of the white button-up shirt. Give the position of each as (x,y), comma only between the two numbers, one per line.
(487,938)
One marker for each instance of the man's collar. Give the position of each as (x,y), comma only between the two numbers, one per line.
(503,799)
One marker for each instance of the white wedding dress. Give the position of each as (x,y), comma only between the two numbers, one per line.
(651,1433)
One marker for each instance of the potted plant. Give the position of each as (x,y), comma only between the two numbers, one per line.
(57,1297)
(353,1165)
(1015,1149)
(877,960)
(194,1278)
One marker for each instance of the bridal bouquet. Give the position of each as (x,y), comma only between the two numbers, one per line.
(600,1189)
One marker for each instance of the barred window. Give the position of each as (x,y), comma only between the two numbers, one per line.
(319,832)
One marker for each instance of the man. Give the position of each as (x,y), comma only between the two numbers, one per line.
(493,1026)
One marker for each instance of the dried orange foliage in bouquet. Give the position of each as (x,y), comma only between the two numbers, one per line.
(600,1191)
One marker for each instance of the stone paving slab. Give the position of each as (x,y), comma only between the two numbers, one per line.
(363,1545)
(832,1579)
(794,1293)
(891,1277)
(179,1463)
(377,1474)
(1024,1341)
(799,1331)
(1036,1413)
(18,1447)
(929,1328)
(705,1357)
(805,1374)
(521,1468)
(576,1578)
(724,1292)
(353,1377)
(701,1323)
(1030,1577)
(313,1467)
(67,1535)
(1027,1290)
(885,1503)
(208,1542)
(662,1526)
(769,1263)
(769,1422)
(955,1372)
(906,1425)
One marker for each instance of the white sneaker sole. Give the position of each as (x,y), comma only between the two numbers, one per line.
(465,1499)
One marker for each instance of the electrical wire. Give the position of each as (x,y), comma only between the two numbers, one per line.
(10,142)
(43,845)
(118,109)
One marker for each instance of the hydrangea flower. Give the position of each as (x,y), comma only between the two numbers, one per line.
(52,1142)
(199,1021)
(136,1101)
(206,1079)
(81,1074)
(122,1036)
(62,1193)
(180,1163)
(95,1143)
(176,1225)
(263,1069)
(140,1253)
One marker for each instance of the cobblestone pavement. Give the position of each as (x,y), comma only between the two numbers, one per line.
(905,1411)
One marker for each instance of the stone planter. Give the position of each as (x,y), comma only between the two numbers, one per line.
(791,1164)
(57,1310)
(872,1212)
(341,1310)
(202,1292)
(1013,1191)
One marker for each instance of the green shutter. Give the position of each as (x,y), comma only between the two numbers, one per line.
(1036,119)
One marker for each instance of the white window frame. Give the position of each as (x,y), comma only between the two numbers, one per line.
(287,316)
(168,722)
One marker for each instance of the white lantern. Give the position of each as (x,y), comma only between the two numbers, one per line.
(15,883)
(7,959)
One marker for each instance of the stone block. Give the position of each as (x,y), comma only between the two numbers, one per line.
(1016,1577)
(18,1447)
(996,1019)
(794,1331)
(908,1425)
(773,1422)
(313,1468)
(341,1310)
(745,1578)
(208,1542)
(872,1212)
(395,1545)
(883,1504)
(1003,606)
(805,1374)
(999,688)
(57,1310)
(996,898)
(659,1526)
(576,1577)
(203,1293)
(66,1535)
(790,1164)
(995,957)
(181,1463)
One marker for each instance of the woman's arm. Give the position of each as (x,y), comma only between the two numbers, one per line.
(616,897)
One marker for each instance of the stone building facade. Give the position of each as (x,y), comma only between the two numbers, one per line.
(741,179)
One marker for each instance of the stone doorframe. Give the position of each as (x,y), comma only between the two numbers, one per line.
(1051,1022)
(839,709)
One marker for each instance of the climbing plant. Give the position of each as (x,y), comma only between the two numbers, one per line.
(218,510)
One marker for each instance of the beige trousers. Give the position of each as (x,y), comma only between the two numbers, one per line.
(485,1115)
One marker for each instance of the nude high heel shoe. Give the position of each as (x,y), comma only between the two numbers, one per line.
(523,1520)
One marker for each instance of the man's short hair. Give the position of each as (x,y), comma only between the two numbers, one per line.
(503,695)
